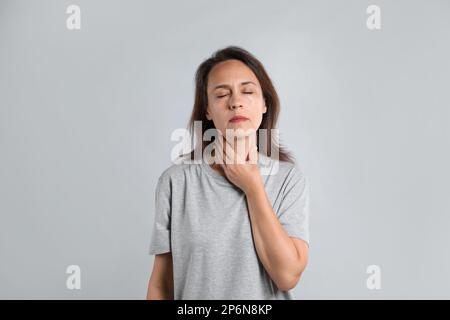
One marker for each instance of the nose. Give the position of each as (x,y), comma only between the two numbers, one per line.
(235,103)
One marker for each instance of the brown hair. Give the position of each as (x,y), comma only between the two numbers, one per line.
(269,118)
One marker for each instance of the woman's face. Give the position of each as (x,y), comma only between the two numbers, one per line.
(233,90)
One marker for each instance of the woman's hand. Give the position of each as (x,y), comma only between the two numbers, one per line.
(240,168)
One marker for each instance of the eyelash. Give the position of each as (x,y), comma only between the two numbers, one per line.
(226,94)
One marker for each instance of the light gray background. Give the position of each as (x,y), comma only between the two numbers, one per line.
(86,118)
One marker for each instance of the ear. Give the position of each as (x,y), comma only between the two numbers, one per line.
(265,108)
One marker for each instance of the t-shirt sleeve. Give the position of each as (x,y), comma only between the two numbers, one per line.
(160,239)
(294,208)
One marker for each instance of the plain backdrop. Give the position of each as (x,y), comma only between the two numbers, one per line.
(86,117)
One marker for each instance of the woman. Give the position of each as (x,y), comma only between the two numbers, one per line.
(224,229)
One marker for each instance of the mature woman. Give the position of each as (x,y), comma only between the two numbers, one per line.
(236,224)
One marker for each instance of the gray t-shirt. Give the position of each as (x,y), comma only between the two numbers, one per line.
(203,220)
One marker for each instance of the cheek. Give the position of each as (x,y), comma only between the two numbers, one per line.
(219,118)
(257,121)
(257,112)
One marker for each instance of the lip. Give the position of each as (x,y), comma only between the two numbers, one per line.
(238,119)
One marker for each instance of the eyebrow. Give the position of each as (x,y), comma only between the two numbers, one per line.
(226,86)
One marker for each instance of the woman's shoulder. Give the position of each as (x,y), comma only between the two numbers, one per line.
(178,169)
(283,169)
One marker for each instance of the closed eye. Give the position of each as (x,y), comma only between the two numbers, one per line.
(227,94)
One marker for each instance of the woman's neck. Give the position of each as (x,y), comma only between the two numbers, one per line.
(240,146)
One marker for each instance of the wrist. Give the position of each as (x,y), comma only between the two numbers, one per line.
(254,189)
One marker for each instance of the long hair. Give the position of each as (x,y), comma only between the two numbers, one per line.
(271,147)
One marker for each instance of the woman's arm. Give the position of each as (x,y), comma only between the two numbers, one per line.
(283,257)
(160,285)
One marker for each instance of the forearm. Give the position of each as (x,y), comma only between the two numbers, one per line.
(156,292)
(274,247)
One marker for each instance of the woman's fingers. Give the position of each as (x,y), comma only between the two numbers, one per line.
(229,156)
